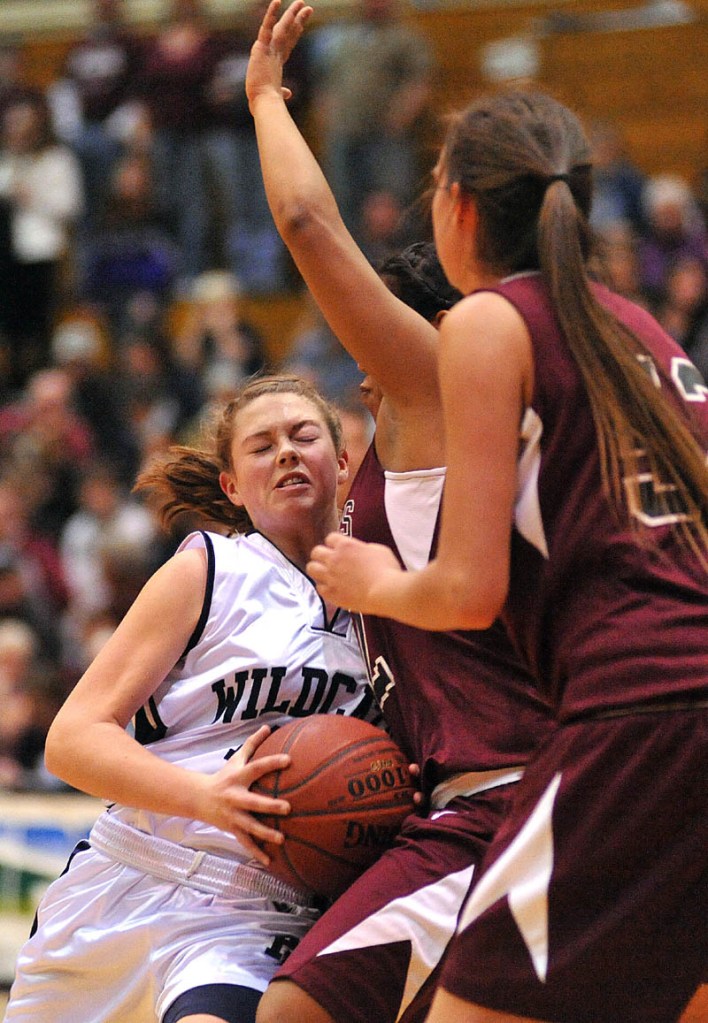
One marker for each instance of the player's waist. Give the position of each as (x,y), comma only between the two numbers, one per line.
(471,783)
(178,864)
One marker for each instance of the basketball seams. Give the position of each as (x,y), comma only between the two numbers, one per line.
(387,749)
(370,809)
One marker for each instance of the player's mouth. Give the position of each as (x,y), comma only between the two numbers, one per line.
(293,479)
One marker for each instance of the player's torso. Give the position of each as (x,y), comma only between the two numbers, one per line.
(456,701)
(599,618)
(263,653)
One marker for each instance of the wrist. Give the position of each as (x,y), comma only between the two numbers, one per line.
(386,592)
(266,97)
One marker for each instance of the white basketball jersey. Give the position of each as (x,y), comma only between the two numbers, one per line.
(263,652)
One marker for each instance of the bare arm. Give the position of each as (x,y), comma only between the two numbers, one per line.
(89,748)
(387,338)
(485,374)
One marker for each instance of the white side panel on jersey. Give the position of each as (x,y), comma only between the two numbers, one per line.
(527,513)
(412,500)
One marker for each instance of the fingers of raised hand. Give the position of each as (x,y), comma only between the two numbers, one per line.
(270,19)
(291,26)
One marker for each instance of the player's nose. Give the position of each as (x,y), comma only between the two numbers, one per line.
(287,452)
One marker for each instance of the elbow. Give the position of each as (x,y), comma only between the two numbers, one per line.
(300,221)
(55,749)
(474,605)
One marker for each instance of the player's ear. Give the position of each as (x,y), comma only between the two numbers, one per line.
(227,482)
(343,463)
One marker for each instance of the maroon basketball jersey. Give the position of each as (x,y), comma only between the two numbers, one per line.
(454,701)
(601,619)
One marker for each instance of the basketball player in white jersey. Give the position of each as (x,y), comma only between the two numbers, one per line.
(168,912)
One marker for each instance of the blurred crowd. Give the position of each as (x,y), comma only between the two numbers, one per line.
(129,189)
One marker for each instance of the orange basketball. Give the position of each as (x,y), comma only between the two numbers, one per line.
(349,788)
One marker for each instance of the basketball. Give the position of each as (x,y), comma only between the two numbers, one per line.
(349,788)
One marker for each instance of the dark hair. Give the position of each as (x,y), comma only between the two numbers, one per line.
(417,278)
(525,160)
(186,479)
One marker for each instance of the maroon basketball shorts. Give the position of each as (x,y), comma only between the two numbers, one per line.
(375,954)
(592,903)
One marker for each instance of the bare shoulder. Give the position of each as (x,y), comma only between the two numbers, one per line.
(178,584)
(486,309)
(189,564)
(485,328)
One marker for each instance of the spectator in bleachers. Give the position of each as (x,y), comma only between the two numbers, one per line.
(30,694)
(18,650)
(13,84)
(317,355)
(41,198)
(674,230)
(374,93)
(133,252)
(683,310)
(248,240)
(159,396)
(385,227)
(106,516)
(177,68)
(91,101)
(618,182)
(215,332)
(618,255)
(128,562)
(80,349)
(81,648)
(47,446)
(32,586)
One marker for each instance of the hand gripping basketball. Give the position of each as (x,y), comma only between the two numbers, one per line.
(350,789)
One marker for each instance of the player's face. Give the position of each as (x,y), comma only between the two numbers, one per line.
(285,466)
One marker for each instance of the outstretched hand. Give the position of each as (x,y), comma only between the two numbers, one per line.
(277,38)
(353,574)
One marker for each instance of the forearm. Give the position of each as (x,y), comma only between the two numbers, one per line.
(297,190)
(397,346)
(433,599)
(103,760)
(442,596)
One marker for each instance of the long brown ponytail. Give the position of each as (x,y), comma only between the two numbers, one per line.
(526,161)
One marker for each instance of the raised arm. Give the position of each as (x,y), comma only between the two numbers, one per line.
(485,373)
(387,338)
(88,745)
